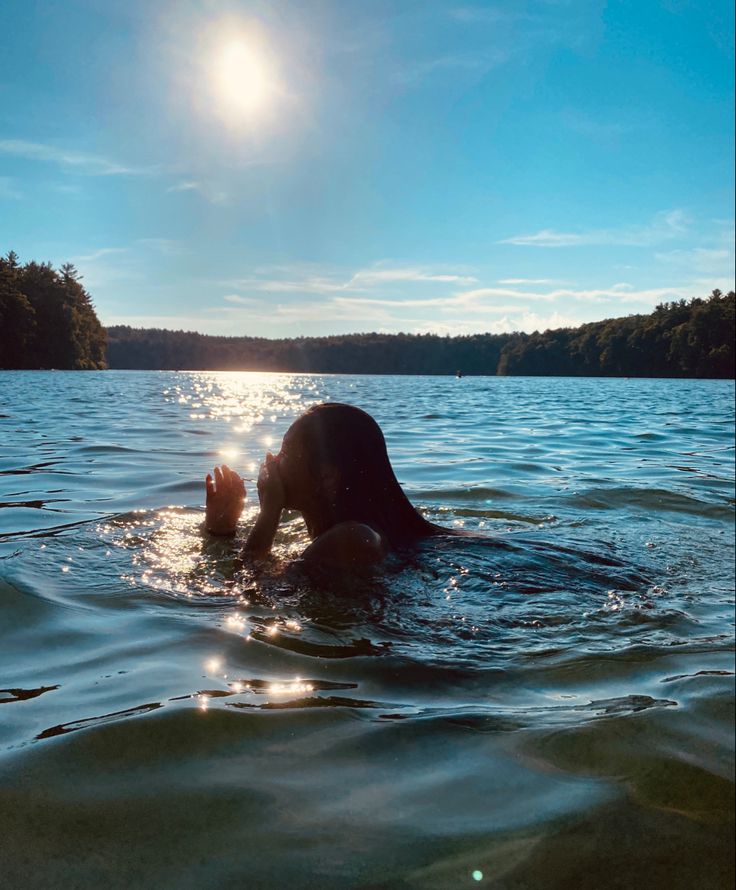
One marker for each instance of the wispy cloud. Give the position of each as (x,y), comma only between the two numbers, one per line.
(79,162)
(528,281)
(616,295)
(241,301)
(412,73)
(475,302)
(510,322)
(145,264)
(395,302)
(699,258)
(208,191)
(378,275)
(396,293)
(712,254)
(665,226)
(459,311)
(317,282)
(98,254)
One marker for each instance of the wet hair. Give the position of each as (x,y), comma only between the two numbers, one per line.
(347,443)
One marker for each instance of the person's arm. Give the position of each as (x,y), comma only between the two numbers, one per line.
(271,497)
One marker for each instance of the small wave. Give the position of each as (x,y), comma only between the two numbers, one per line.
(455,495)
(650,499)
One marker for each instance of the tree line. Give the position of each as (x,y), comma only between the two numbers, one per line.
(685,338)
(47,319)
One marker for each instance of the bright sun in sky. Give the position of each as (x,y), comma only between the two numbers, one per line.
(241,80)
(318,167)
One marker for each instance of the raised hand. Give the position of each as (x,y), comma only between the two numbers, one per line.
(271,496)
(225,500)
(270,485)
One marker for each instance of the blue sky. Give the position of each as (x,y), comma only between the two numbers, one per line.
(279,169)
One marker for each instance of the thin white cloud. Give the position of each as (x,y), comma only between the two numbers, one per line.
(617,294)
(480,37)
(384,276)
(701,287)
(387,295)
(665,226)
(508,324)
(311,281)
(317,310)
(242,301)
(209,192)
(476,310)
(701,259)
(480,303)
(474,63)
(79,162)
(396,302)
(528,281)
(98,254)
(711,255)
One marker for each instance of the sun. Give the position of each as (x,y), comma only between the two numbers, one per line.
(241,80)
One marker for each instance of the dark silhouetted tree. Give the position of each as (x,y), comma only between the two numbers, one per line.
(47,319)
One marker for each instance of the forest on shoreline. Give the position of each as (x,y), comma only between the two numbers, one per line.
(48,320)
(686,338)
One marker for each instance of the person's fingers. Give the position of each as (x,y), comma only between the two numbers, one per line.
(234,481)
(219,478)
(209,485)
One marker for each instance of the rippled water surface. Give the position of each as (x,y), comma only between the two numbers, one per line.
(549,704)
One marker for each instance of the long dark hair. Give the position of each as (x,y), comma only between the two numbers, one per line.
(346,442)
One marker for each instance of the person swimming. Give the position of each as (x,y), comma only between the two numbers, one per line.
(334,469)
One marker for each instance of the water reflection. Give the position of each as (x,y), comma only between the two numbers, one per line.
(243,399)
(589,635)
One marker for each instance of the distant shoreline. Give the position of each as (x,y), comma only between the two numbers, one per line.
(48,320)
(347,373)
(685,339)
(350,373)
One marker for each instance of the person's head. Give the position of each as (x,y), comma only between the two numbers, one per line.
(335,467)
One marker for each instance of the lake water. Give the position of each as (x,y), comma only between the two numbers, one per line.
(550,705)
